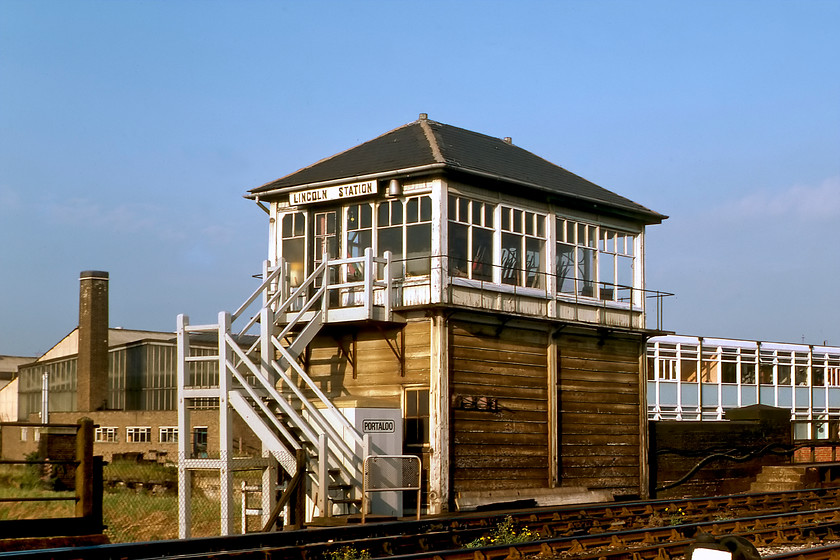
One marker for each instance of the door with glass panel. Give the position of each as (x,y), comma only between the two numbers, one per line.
(326,234)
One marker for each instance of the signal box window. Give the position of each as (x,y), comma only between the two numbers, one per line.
(416,417)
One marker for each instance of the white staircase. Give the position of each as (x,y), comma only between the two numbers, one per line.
(258,376)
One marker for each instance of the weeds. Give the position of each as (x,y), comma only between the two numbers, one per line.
(505,533)
(347,553)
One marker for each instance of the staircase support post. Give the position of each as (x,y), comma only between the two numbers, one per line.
(184,475)
(323,476)
(225,427)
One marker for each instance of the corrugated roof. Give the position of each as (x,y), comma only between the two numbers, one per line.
(425,146)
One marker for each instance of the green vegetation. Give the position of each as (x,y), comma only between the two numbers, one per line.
(347,553)
(506,532)
(139,502)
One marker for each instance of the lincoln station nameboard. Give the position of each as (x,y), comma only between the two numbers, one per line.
(336,192)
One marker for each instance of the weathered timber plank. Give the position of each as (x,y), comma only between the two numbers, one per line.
(513,366)
(460,485)
(501,392)
(582,427)
(501,427)
(491,332)
(503,356)
(629,485)
(585,346)
(589,387)
(504,415)
(600,409)
(592,440)
(490,438)
(502,473)
(501,450)
(497,461)
(606,397)
(599,461)
(600,472)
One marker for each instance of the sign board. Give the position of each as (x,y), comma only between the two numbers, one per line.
(337,192)
(374,426)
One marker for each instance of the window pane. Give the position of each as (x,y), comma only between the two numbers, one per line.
(458,249)
(288,225)
(511,249)
(383,215)
(586,272)
(529,223)
(482,256)
(606,276)
(412,210)
(418,249)
(425,209)
(748,373)
(293,253)
(564,268)
(624,271)
(390,239)
(533,262)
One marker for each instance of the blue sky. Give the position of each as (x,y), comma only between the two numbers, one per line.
(130,130)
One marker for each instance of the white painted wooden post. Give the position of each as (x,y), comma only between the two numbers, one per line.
(389,286)
(184,475)
(325,282)
(368,280)
(266,330)
(439,417)
(438,264)
(553,409)
(225,431)
(323,476)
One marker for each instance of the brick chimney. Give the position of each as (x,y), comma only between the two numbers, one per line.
(92,366)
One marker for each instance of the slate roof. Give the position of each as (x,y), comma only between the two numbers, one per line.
(425,147)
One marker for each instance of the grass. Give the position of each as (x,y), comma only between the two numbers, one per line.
(131,514)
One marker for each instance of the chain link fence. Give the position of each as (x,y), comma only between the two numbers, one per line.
(140,501)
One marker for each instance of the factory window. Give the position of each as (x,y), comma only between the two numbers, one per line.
(471,225)
(523,247)
(293,245)
(834,376)
(138,434)
(168,434)
(416,417)
(106,435)
(200,442)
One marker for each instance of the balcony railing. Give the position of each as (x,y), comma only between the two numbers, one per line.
(447,280)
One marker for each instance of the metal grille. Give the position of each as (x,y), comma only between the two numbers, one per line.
(392,472)
(385,473)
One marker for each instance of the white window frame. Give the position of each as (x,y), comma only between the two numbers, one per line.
(168,434)
(106,434)
(138,434)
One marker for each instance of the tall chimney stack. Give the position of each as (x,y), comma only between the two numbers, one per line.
(92,366)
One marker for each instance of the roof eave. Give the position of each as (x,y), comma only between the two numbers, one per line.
(257,194)
(649,217)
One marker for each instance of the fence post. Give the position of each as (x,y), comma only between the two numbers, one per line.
(85,496)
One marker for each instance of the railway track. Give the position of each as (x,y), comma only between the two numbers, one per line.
(659,529)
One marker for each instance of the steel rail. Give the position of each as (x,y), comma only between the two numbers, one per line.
(454,531)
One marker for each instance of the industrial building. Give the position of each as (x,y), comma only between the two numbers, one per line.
(700,378)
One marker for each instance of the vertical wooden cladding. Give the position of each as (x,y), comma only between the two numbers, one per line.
(366,362)
(599,407)
(505,448)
